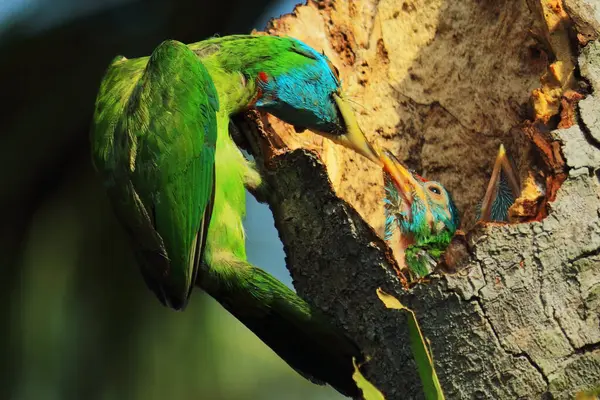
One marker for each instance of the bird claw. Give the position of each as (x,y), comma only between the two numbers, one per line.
(412,280)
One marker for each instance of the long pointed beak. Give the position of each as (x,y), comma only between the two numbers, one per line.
(354,137)
(501,164)
(401,176)
(408,186)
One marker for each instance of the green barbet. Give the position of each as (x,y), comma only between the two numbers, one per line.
(176,180)
(420,217)
(502,190)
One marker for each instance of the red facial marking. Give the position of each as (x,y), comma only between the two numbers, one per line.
(263,77)
(419,177)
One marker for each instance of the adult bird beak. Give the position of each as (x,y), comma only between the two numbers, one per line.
(354,137)
(502,163)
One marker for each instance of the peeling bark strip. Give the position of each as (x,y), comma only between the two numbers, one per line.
(442,84)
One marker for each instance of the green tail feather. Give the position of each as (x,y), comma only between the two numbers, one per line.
(300,336)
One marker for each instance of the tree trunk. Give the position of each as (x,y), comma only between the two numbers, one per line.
(442,83)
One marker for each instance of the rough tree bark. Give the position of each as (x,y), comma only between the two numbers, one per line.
(442,83)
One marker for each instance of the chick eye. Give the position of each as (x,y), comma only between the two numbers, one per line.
(434,189)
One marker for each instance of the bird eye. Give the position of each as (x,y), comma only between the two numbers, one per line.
(435,189)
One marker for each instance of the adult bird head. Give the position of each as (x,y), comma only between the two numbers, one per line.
(302,87)
(420,214)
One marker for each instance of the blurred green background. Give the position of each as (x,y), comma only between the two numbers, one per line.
(77,320)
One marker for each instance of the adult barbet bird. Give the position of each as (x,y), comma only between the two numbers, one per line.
(176,179)
(420,217)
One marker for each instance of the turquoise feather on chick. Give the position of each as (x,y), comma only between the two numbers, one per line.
(502,191)
(420,216)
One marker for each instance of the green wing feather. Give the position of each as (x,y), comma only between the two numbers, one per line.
(153,141)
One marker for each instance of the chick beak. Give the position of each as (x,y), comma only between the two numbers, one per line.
(501,164)
(408,186)
(354,138)
(402,178)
